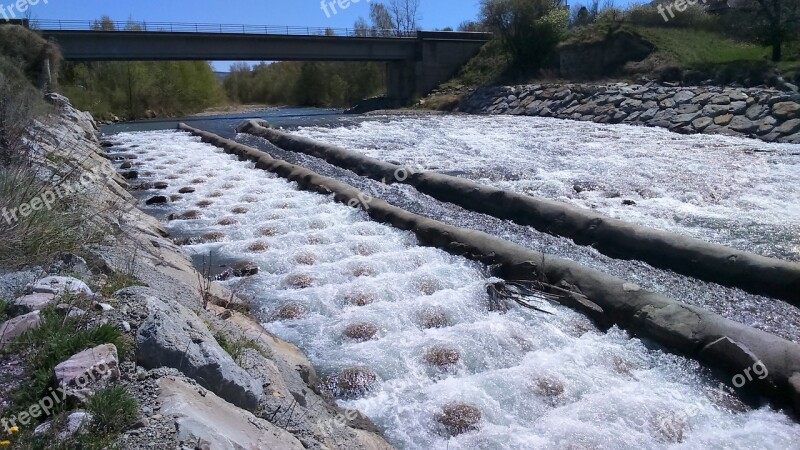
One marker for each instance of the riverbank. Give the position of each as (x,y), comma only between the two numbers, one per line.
(766,114)
(198,369)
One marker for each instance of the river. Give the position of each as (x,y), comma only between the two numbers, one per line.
(540,380)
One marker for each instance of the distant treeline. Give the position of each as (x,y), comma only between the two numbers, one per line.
(305,83)
(140,89)
(325,83)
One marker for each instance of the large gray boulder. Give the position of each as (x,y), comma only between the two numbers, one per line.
(173,336)
(202,417)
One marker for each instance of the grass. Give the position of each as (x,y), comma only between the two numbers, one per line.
(57,338)
(3,310)
(237,347)
(117,281)
(688,47)
(489,66)
(114,409)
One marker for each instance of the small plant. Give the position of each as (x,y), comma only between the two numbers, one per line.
(3,310)
(57,338)
(113,409)
(117,281)
(236,348)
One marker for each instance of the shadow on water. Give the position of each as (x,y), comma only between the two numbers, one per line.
(225,124)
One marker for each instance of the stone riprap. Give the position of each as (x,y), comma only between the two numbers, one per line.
(766,114)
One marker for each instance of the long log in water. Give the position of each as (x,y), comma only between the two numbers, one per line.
(719,342)
(719,264)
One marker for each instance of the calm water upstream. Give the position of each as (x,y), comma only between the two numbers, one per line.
(541,381)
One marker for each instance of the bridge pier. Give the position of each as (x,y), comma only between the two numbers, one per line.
(439,57)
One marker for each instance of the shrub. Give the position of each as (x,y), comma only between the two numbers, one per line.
(27,50)
(528,29)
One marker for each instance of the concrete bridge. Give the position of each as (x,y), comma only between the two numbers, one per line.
(416,63)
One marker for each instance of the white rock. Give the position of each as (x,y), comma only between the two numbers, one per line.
(219,423)
(60,285)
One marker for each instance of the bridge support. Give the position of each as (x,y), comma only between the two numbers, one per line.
(438,59)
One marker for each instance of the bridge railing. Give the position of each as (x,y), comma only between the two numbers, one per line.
(180,27)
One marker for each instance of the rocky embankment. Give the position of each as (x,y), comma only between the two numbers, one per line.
(766,114)
(205,373)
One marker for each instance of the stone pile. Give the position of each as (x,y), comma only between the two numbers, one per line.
(766,114)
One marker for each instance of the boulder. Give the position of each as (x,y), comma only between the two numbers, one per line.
(351,382)
(186,190)
(32,302)
(743,125)
(157,200)
(723,119)
(13,328)
(789,127)
(59,285)
(201,416)
(786,110)
(173,336)
(86,368)
(683,97)
(441,356)
(360,331)
(459,418)
(701,123)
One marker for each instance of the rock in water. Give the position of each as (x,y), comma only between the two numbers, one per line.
(459,418)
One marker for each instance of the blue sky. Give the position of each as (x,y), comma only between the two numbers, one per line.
(435,13)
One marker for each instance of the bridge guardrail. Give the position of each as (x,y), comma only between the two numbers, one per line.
(181,27)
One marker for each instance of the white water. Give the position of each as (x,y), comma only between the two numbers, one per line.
(739,192)
(615,390)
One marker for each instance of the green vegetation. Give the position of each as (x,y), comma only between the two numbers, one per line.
(694,45)
(529,30)
(691,47)
(3,311)
(113,409)
(25,184)
(140,89)
(117,281)
(236,347)
(57,338)
(305,83)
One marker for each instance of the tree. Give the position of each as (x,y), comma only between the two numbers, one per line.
(382,23)
(529,30)
(405,15)
(779,22)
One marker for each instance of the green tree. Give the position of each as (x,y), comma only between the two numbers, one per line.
(529,30)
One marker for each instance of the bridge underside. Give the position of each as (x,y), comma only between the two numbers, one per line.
(415,65)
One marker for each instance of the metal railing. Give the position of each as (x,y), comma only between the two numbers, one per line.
(178,27)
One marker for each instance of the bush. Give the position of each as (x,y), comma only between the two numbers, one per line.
(529,30)
(27,50)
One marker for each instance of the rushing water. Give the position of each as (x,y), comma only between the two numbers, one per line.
(540,381)
(739,192)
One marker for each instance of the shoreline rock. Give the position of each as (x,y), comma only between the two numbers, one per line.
(760,113)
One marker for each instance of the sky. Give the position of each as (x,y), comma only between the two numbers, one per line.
(309,13)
